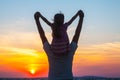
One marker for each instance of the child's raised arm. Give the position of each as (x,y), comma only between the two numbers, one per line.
(72,19)
(45,20)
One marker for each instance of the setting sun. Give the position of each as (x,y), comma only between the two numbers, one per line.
(32,71)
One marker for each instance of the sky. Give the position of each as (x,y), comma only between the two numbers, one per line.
(21,50)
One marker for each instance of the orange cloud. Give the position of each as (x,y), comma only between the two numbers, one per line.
(102,59)
(23,60)
(87,60)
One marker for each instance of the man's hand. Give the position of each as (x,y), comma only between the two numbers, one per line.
(37,15)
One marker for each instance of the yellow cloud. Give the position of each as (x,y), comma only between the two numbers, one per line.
(98,54)
(107,48)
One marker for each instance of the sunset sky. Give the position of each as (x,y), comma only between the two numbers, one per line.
(21,50)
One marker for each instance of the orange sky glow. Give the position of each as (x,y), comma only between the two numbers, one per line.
(101,57)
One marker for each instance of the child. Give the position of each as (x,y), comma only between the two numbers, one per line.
(60,42)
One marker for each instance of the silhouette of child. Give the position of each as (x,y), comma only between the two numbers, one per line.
(60,42)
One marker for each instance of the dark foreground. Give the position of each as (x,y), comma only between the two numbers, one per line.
(76,78)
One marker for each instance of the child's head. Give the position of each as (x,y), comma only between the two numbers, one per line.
(59,19)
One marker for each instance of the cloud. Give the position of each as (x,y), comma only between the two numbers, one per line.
(18,61)
(21,39)
(18,25)
(100,49)
(98,59)
(22,33)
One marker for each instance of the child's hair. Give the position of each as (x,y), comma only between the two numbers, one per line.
(58,21)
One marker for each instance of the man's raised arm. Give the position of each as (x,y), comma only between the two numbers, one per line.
(40,29)
(79,27)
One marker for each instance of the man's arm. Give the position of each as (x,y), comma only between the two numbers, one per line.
(45,20)
(72,19)
(79,27)
(40,29)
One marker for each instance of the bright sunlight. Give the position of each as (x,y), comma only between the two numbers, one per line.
(32,71)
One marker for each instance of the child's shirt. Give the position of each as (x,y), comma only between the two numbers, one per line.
(61,45)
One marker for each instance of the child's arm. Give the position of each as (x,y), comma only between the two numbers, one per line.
(40,29)
(79,27)
(45,20)
(72,19)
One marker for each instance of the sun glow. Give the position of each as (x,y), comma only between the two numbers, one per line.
(32,71)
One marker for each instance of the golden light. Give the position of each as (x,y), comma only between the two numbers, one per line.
(32,71)
(32,68)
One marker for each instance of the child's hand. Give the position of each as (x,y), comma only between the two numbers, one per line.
(81,14)
(37,15)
